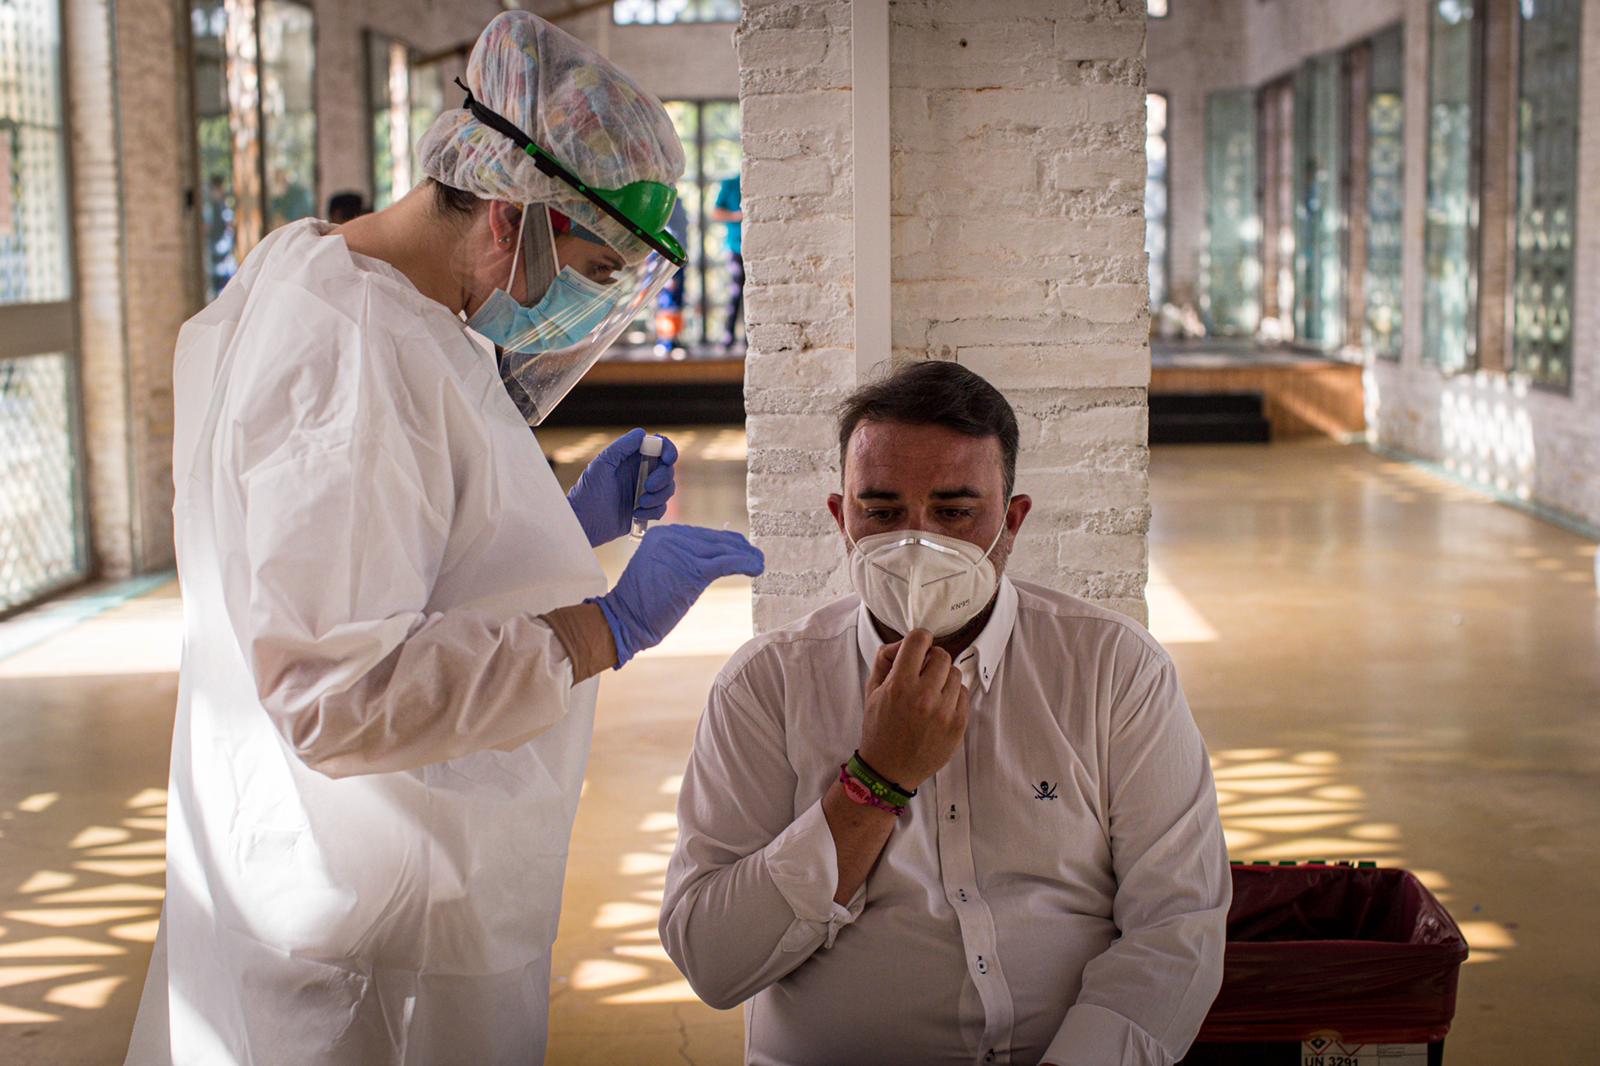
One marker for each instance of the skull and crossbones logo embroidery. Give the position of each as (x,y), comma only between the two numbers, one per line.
(1044,790)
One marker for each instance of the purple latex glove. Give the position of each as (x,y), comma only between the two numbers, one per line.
(669,570)
(603,497)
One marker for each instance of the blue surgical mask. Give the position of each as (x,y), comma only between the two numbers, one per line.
(570,309)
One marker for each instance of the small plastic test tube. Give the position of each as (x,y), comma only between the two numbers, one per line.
(649,452)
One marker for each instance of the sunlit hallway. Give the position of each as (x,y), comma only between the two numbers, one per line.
(1385,666)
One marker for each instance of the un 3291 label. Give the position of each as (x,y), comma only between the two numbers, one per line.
(1331,1051)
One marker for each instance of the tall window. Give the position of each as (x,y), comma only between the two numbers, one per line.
(709,130)
(389,108)
(1547,180)
(1385,192)
(1319,149)
(41,518)
(404,96)
(255,124)
(1156,9)
(1232,299)
(657,11)
(1450,293)
(1155,195)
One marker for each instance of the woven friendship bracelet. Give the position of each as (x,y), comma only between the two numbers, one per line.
(880,786)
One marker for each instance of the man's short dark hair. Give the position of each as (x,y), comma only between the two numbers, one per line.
(935,393)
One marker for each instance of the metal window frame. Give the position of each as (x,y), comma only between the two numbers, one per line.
(1166,179)
(197,234)
(1515,221)
(611,7)
(701,189)
(1476,93)
(1398,31)
(370,34)
(50,328)
(1304,77)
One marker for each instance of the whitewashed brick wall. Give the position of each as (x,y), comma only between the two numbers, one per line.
(1017,132)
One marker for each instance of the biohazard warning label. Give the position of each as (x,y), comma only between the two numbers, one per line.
(1325,1049)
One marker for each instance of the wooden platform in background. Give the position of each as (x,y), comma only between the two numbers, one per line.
(1302,395)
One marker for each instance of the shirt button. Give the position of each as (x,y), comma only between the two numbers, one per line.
(952,814)
(983,967)
(989,1055)
(963,894)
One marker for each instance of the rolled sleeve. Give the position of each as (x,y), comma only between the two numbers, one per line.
(803,862)
(1095,1036)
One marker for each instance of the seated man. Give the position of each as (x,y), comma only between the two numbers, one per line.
(953,818)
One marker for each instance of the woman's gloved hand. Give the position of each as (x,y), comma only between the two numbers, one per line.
(670,569)
(603,497)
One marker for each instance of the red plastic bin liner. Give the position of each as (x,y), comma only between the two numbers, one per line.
(1368,953)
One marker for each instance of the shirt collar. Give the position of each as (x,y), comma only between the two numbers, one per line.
(988,649)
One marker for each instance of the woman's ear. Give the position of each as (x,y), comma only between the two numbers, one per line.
(505,221)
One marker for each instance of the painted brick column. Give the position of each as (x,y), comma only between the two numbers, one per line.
(1017,133)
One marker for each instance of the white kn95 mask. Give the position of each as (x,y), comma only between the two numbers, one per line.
(915,580)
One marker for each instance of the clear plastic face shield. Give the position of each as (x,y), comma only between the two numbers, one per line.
(580,296)
(580,293)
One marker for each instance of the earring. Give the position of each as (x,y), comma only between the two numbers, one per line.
(505,240)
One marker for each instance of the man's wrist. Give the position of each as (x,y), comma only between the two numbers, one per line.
(883,787)
(885,768)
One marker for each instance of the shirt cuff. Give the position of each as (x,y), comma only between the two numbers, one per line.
(804,863)
(1095,1036)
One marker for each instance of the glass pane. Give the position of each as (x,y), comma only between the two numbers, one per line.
(227,146)
(39,544)
(33,195)
(1547,178)
(658,11)
(288,72)
(1319,214)
(389,101)
(1155,195)
(428,84)
(1450,293)
(1232,300)
(1385,192)
(721,162)
(1156,9)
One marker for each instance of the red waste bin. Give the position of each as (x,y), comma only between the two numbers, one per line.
(1332,966)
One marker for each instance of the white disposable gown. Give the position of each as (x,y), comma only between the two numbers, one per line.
(378,748)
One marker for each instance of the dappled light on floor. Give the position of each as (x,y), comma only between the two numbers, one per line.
(1279,805)
(60,918)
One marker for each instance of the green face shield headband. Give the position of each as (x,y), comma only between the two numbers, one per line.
(642,207)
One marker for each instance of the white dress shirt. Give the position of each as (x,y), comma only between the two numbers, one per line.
(1056,893)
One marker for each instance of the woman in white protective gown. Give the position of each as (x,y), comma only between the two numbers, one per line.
(393,617)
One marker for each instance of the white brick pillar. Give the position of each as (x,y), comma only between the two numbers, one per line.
(1017,248)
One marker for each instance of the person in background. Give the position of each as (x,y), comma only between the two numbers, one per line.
(344,206)
(669,308)
(219,233)
(954,817)
(729,208)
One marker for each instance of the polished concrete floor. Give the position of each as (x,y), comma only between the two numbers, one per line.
(1385,666)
